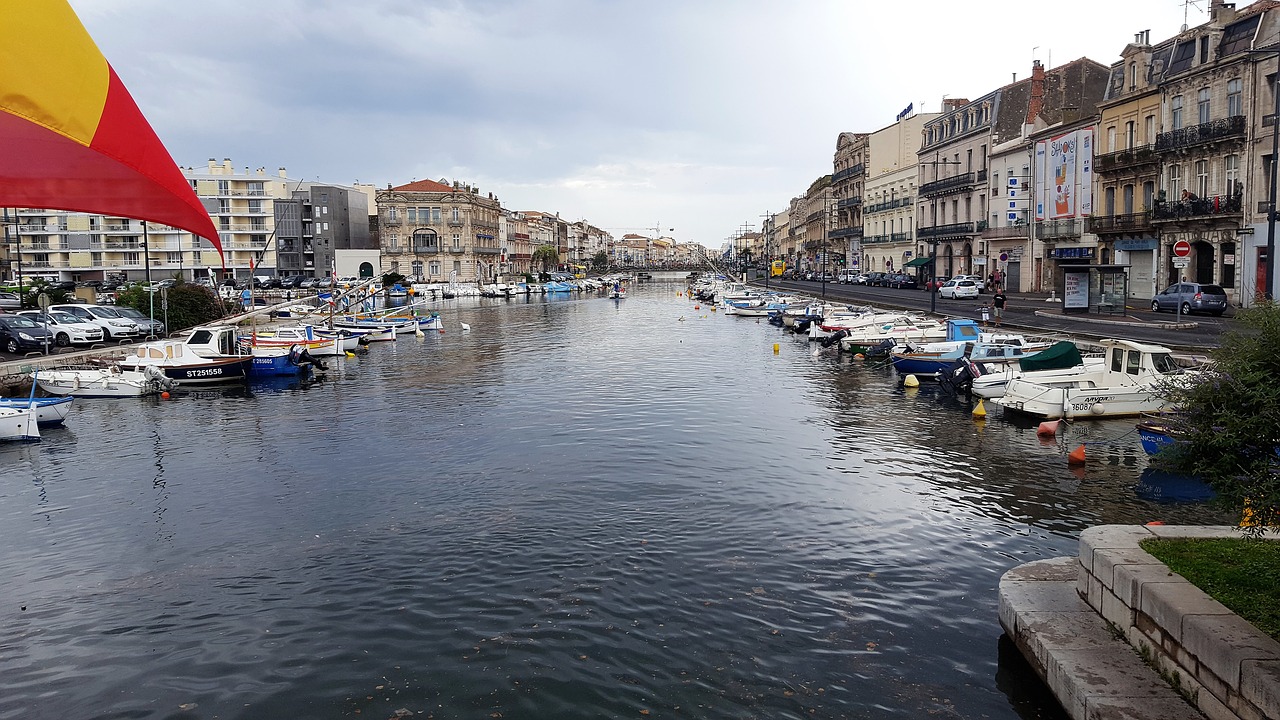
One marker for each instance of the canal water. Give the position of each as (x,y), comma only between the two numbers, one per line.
(582,508)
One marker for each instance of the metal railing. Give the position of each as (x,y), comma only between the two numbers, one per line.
(945,185)
(848,173)
(1126,222)
(1140,155)
(1012,231)
(965,228)
(1225,129)
(1049,229)
(1198,207)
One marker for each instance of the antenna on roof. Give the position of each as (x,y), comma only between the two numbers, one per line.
(1186,8)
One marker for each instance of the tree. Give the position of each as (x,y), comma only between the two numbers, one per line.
(600,261)
(1228,421)
(547,255)
(189,305)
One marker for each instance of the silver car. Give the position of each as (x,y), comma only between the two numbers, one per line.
(1191,297)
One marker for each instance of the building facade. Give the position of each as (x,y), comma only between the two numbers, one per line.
(848,178)
(438,232)
(889,204)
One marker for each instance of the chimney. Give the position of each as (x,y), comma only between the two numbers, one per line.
(212,164)
(282,173)
(1036,102)
(226,165)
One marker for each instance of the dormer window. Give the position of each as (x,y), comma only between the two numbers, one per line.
(1133,76)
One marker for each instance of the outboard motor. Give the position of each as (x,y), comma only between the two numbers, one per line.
(307,358)
(882,350)
(834,338)
(801,325)
(958,378)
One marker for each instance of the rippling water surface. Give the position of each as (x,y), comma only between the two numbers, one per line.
(581,508)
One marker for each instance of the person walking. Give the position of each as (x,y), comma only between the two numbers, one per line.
(997,302)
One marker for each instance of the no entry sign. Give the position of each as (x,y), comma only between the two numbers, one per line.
(1182,248)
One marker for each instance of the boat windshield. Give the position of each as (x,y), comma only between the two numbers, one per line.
(1164,363)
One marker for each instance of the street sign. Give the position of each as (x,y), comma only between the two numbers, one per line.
(1181,262)
(43,301)
(1182,248)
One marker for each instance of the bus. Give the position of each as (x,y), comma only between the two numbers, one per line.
(777,268)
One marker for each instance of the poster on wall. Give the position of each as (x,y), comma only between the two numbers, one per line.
(1064,176)
(1075,293)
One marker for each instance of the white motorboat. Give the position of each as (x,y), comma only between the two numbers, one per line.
(1129,382)
(19,424)
(105,382)
(1061,360)
(49,410)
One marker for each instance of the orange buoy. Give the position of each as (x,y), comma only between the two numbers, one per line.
(1048,428)
(697,307)
(1076,457)
(165,394)
(441,331)
(1156,522)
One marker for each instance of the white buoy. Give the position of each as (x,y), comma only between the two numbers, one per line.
(910,381)
(465,327)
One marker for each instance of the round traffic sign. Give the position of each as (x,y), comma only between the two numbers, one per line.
(1182,248)
(44,301)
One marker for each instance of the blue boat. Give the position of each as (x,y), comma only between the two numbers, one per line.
(557,286)
(50,411)
(1155,435)
(965,339)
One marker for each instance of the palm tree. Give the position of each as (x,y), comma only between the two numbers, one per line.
(547,255)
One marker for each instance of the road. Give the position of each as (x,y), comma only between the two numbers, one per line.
(1139,323)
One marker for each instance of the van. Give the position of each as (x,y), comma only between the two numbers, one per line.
(847,276)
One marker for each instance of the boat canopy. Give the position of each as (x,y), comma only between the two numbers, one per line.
(1063,354)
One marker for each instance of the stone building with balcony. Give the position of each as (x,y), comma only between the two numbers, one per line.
(954,172)
(848,176)
(516,244)
(1208,80)
(437,232)
(1126,167)
(811,225)
(889,198)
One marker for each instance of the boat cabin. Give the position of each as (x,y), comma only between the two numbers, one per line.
(1134,358)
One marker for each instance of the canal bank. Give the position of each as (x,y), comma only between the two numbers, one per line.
(1114,633)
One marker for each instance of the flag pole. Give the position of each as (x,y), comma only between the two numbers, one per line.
(151,291)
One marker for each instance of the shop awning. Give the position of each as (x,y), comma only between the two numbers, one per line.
(917,262)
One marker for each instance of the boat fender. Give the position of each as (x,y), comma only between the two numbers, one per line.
(1098,408)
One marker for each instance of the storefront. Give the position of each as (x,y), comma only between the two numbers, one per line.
(1140,255)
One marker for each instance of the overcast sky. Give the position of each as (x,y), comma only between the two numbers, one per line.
(696,116)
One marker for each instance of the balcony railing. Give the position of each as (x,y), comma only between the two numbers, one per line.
(848,173)
(1232,128)
(1012,231)
(982,175)
(1125,223)
(1141,155)
(426,249)
(486,250)
(888,205)
(890,238)
(955,183)
(1060,229)
(849,202)
(940,231)
(457,250)
(1206,207)
(848,232)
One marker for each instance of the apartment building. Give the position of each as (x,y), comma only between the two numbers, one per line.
(1126,167)
(516,244)
(83,247)
(439,231)
(1208,81)
(848,177)
(323,229)
(889,204)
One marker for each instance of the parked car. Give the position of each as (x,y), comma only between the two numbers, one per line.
(979,282)
(19,332)
(936,283)
(1192,297)
(10,301)
(142,320)
(957,289)
(875,278)
(846,276)
(67,329)
(114,325)
(901,280)
(309,282)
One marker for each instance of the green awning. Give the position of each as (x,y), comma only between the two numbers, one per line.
(917,262)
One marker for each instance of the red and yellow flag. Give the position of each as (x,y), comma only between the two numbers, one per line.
(71,136)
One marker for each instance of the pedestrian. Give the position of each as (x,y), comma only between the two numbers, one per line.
(997,302)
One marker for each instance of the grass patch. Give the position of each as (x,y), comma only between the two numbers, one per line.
(1241,573)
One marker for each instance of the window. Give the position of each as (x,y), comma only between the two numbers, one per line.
(1109,201)
(1234,105)
(224,187)
(1202,106)
(326,227)
(395,266)
(224,206)
(1176,112)
(1204,49)
(456,216)
(1148,194)
(457,267)
(457,241)
(1111,139)
(391,214)
(1133,75)
(1150,136)
(1175,181)
(1202,178)
(1130,134)
(1128,199)
(393,241)
(1232,175)
(433,267)
(255,207)
(435,214)
(1135,362)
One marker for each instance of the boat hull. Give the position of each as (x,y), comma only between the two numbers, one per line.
(49,411)
(101,383)
(17,425)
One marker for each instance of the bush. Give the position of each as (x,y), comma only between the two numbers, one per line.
(1228,422)
(189,305)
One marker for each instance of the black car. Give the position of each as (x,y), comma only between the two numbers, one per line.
(875,278)
(900,280)
(19,332)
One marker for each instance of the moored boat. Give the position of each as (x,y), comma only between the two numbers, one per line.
(50,411)
(104,382)
(18,424)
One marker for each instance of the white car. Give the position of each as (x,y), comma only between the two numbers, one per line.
(982,284)
(114,325)
(957,289)
(66,328)
(10,301)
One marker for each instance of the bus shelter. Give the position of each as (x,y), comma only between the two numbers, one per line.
(1093,288)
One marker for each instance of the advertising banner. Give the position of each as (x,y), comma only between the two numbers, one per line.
(1064,176)
(1039,189)
(1075,294)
